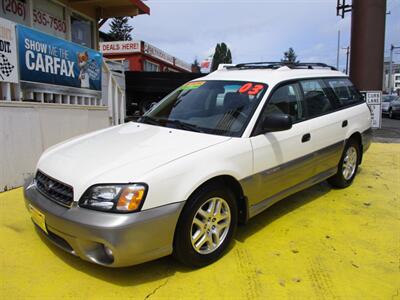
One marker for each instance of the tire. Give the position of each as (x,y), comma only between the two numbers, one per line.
(390,114)
(350,158)
(198,211)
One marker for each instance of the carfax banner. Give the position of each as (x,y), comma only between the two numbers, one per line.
(46,59)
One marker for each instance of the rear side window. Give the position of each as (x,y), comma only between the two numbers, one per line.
(345,91)
(316,98)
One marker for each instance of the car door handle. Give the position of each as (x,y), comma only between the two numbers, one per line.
(306,138)
(344,123)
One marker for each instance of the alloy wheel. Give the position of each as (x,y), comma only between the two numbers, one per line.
(349,163)
(210,225)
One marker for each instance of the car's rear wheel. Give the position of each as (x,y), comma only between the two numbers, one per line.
(206,226)
(348,165)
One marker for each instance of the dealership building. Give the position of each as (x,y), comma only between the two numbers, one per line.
(72,20)
(54,81)
(144,57)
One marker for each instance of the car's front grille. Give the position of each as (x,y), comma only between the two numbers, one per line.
(55,190)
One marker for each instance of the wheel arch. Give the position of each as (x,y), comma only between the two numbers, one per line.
(358,137)
(233,185)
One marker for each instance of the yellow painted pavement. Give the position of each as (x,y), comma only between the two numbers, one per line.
(318,244)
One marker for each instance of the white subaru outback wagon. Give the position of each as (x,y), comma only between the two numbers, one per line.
(212,154)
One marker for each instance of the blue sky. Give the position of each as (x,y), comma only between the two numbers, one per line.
(255,30)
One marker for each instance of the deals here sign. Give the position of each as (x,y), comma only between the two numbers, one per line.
(8,52)
(46,59)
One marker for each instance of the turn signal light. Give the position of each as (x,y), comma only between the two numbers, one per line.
(131,198)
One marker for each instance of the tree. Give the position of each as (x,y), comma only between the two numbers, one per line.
(289,56)
(222,55)
(120,30)
(196,66)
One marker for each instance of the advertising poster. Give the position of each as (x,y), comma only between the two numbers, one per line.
(47,59)
(8,52)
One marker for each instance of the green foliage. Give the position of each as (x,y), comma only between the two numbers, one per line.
(289,56)
(222,55)
(120,30)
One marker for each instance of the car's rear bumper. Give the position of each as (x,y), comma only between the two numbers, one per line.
(133,238)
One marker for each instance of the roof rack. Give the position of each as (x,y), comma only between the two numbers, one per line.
(277,65)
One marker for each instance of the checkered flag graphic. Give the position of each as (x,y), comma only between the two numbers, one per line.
(6,67)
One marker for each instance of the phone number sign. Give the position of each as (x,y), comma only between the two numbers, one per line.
(49,23)
(19,12)
(15,10)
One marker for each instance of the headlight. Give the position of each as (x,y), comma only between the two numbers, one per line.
(115,198)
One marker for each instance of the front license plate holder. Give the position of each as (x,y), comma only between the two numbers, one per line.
(38,218)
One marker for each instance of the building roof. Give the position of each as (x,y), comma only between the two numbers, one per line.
(102,9)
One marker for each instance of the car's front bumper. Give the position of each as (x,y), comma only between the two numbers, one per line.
(133,238)
(396,111)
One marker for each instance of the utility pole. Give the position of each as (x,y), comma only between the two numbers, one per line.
(338,50)
(392,47)
(367,44)
(368,18)
(347,58)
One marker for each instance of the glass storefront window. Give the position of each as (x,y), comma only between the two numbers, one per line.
(81,31)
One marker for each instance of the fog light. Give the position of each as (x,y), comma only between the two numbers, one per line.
(108,252)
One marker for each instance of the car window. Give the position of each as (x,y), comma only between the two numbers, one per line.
(316,98)
(286,100)
(344,90)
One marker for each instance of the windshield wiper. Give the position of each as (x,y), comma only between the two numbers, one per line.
(179,124)
(183,125)
(149,120)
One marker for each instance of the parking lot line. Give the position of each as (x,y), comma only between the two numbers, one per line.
(320,243)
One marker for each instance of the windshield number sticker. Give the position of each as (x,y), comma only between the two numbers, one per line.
(192,85)
(251,89)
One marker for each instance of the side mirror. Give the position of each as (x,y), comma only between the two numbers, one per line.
(277,122)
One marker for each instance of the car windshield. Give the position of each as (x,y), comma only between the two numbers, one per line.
(390,98)
(216,107)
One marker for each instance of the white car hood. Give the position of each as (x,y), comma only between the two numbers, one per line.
(120,154)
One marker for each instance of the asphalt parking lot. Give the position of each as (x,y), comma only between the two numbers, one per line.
(390,131)
(320,243)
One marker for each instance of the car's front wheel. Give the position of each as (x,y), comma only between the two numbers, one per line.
(206,226)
